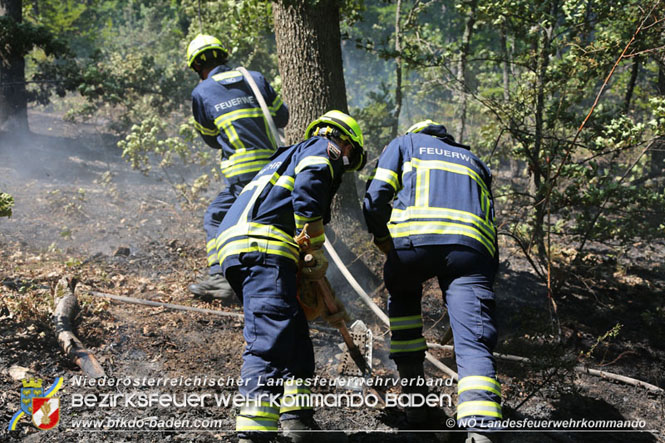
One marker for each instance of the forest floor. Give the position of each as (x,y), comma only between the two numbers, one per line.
(81,211)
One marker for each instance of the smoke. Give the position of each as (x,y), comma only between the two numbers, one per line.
(75,193)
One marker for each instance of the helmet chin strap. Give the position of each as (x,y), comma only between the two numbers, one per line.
(347,150)
(346,145)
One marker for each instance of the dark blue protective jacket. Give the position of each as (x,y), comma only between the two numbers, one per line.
(442,194)
(295,188)
(229,118)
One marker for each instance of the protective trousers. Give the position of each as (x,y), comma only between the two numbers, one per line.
(278,354)
(465,277)
(214,216)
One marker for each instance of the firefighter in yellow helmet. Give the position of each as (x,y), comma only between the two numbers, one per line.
(429,206)
(229,118)
(260,258)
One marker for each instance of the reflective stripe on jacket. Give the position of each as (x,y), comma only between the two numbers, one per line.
(296,187)
(228,117)
(441,191)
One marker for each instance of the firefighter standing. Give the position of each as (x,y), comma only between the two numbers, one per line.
(441,223)
(260,258)
(229,118)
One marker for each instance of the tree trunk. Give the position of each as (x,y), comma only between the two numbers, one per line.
(540,170)
(657,162)
(309,54)
(505,64)
(631,84)
(310,61)
(461,69)
(13,97)
(516,166)
(398,69)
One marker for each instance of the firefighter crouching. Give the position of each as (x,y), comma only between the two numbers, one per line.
(440,224)
(229,118)
(260,259)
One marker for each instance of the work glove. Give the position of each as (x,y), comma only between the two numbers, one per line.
(311,237)
(314,265)
(313,305)
(384,244)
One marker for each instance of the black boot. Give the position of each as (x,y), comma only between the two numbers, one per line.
(416,417)
(215,287)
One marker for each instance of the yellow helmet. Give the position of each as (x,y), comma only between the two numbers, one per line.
(201,44)
(349,129)
(417,127)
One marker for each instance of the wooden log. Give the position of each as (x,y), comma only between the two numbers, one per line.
(66,308)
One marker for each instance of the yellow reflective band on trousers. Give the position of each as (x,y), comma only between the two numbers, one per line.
(480,383)
(262,410)
(210,246)
(388,176)
(206,131)
(211,252)
(296,397)
(410,322)
(408,345)
(314,160)
(486,408)
(439,227)
(296,386)
(256,424)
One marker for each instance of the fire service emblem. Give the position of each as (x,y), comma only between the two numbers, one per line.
(38,403)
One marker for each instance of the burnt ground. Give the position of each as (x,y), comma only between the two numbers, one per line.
(80,210)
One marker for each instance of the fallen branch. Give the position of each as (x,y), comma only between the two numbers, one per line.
(580,369)
(621,378)
(140,301)
(66,306)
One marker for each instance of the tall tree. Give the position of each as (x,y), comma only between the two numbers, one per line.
(398,69)
(462,74)
(657,163)
(310,62)
(13,97)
